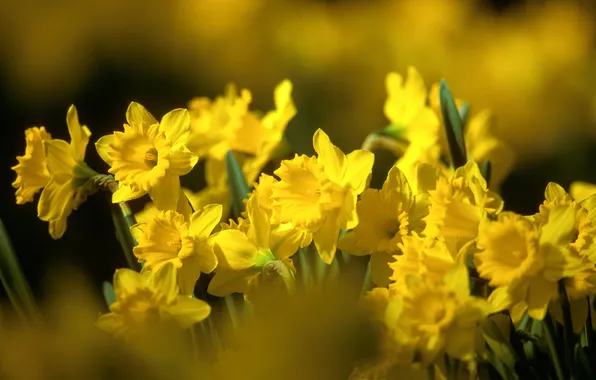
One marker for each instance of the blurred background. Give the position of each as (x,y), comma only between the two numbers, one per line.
(531,62)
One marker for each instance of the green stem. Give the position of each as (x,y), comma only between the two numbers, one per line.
(367,283)
(124,219)
(549,332)
(305,270)
(589,329)
(568,325)
(430,372)
(231,306)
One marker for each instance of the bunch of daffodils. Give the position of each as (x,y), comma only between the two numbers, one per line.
(453,285)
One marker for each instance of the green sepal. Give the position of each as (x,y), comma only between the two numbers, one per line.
(14,281)
(454,127)
(124,219)
(237,183)
(108,293)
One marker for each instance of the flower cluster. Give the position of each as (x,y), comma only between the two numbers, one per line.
(444,257)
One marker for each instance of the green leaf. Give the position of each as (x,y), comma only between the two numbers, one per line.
(486,171)
(108,293)
(14,281)
(496,330)
(237,183)
(505,372)
(464,111)
(582,361)
(453,126)
(124,219)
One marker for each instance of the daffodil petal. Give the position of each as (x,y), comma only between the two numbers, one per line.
(332,158)
(126,193)
(103,146)
(182,160)
(126,280)
(238,250)
(359,169)
(204,221)
(260,226)
(187,310)
(227,281)
(79,135)
(58,227)
(540,292)
(176,125)
(59,158)
(137,114)
(166,192)
(553,190)
(188,274)
(55,200)
(205,257)
(165,280)
(326,240)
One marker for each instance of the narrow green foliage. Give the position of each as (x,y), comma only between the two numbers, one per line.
(108,293)
(568,329)
(14,281)
(549,332)
(464,112)
(454,127)
(232,311)
(367,282)
(237,183)
(124,219)
(486,171)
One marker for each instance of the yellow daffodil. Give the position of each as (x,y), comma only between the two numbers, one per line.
(32,171)
(169,238)
(412,120)
(582,247)
(450,316)
(525,262)
(252,259)
(385,216)
(407,111)
(318,194)
(149,156)
(145,299)
(457,203)
(419,256)
(584,229)
(226,124)
(68,176)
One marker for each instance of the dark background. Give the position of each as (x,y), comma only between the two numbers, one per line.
(89,242)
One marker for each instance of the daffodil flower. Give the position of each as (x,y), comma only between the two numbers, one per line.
(149,156)
(225,124)
(386,216)
(253,259)
(32,171)
(318,194)
(457,203)
(525,262)
(168,237)
(68,175)
(143,300)
(450,314)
